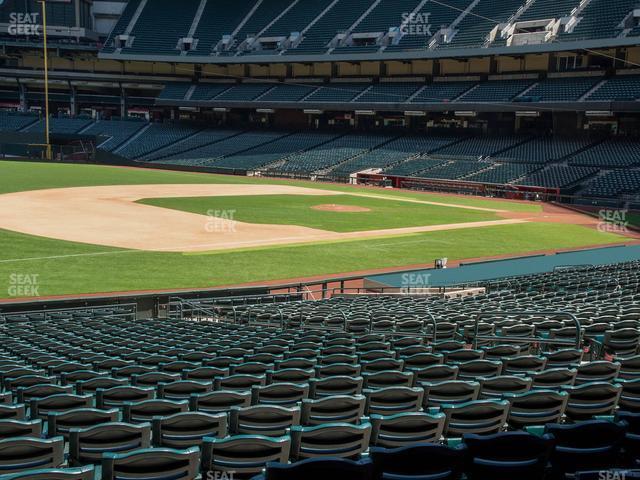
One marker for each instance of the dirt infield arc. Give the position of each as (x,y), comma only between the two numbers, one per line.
(109,216)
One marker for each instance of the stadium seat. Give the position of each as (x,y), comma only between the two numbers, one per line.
(20,454)
(419,462)
(245,455)
(402,429)
(537,407)
(152,463)
(88,445)
(589,445)
(267,420)
(320,468)
(341,440)
(508,455)
(479,416)
(80,473)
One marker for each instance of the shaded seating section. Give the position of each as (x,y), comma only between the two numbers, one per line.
(115,131)
(557,176)
(339,18)
(12,122)
(170,18)
(338,92)
(560,89)
(439,15)
(279,149)
(612,153)
(175,91)
(496,91)
(545,149)
(155,137)
(613,183)
(599,19)
(229,29)
(443,91)
(622,87)
(503,173)
(210,152)
(394,152)
(474,29)
(381,393)
(331,153)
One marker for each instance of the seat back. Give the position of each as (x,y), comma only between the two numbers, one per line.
(269,420)
(496,387)
(20,428)
(80,473)
(156,463)
(342,440)
(588,445)
(406,428)
(59,423)
(26,453)
(116,397)
(87,445)
(239,382)
(338,385)
(26,394)
(480,416)
(450,392)
(591,399)
(320,469)
(41,407)
(187,429)
(146,410)
(183,389)
(508,455)
(422,461)
(387,378)
(630,396)
(553,378)
(339,408)
(283,394)
(390,400)
(15,412)
(537,407)
(243,454)
(599,371)
(435,374)
(220,401)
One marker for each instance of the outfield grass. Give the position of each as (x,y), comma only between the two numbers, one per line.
(73,268)
(21,176)
(65,267)
(298,210)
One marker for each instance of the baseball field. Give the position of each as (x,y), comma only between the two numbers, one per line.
(74,229)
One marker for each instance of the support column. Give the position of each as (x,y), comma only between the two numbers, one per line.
(123,103)
(24,106)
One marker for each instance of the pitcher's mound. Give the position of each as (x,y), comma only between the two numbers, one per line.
(332,207)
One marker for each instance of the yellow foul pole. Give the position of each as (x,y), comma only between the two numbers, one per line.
(48,152)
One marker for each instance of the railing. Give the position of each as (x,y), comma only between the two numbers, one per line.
(130,312)
(201,312)
(507,339)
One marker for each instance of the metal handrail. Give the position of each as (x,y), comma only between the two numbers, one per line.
(133,307)
(481,315)
(195,307)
